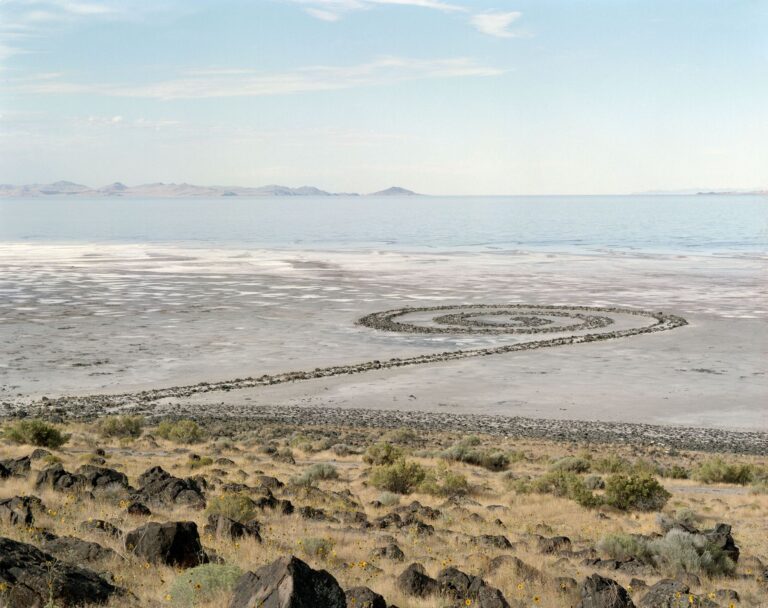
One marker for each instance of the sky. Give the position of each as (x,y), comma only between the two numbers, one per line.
(439,96)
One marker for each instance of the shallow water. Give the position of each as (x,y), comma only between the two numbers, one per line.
(653,224)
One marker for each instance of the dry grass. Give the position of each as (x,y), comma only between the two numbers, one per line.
(350,561)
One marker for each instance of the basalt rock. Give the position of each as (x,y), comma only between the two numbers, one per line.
(224,527)
(57,478)
(18,467)
(600,592)
(363,597)
(35,579)
(171,543)
(76,551)
(287,583)
(19,510)
(160,488)
(415,581)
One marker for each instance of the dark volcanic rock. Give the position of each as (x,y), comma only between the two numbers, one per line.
(601,592)
(18,467)
(224,527)
(667,593)
(171,543)
(39,453)
(273,483)
(158,487)
(36,579)
(720,536)
(287,583)
(415,581)
(454,583)
(556,544)
(19,510)
(497,541)
(103,478)
(390,551)
(100,526)
(58,479)
(74,550)
(138,509)
(363,597)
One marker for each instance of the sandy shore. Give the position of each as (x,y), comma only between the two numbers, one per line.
(133,318)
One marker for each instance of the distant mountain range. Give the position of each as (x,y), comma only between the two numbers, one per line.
(161,190)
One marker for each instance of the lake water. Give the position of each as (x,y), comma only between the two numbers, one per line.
(700,224)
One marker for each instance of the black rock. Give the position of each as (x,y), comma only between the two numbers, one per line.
(56,478)
(287,583)
(390,551)
(101,527)
(171,543)
(138,510)
(600,592)
(159,488)
(74,550)
(224,527)
(556,544)
(415,581)
(18,467)
(363,597)
(35,579)
(19,510)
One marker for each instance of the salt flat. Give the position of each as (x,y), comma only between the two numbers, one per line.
(133,317)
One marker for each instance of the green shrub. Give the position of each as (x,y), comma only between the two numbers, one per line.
(467,450)
(234,505)
(317,547)
(571,464)
(635,493)
(198,463)
(443,482)
(675,472)
(389,499)
(180,431)
(36,432)
(120,426)
(382,453)
(675,553)
(623,546)
(401,477)
(718,470)
(204,584)
(403,436)
(611,464)
(566,485)
(315,473)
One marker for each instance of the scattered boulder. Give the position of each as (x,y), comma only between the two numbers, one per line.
(103,478)
(99,526)
(19,510)
(287,583)
(39,453)
(518,567)
(171,543)
(74,550)
(720,536)
(454,583)
(600,592)
(224,527)
(415,581)
(18,467)
(273,483)
(57,478)
(389,551)
(555,544)
(138,510)
(160,488)
(35,579)
(496,541)
(363,597)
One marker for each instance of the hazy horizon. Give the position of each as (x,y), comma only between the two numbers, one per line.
(442,97)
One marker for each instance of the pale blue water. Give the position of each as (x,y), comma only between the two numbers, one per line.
(702,224)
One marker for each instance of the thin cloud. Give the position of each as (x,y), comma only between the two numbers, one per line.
(227,82)
(496,24)
(333,10)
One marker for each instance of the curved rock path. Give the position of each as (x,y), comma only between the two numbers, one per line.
(477,319)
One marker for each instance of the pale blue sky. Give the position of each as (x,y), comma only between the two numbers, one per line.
(441,96)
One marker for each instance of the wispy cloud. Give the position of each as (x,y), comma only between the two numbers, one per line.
(228,82)
(493,23)
(496,24)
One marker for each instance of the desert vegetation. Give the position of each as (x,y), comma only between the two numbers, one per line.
(126,511)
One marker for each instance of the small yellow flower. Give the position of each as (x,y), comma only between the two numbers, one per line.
(520,586)
(536,599)
(691,599)
(168,597)
(467,602)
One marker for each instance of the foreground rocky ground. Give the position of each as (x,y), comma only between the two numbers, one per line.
(284,513)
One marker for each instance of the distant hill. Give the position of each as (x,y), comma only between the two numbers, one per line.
(163,190)
(394,191)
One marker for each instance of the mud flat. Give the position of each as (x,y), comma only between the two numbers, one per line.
(171,329)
